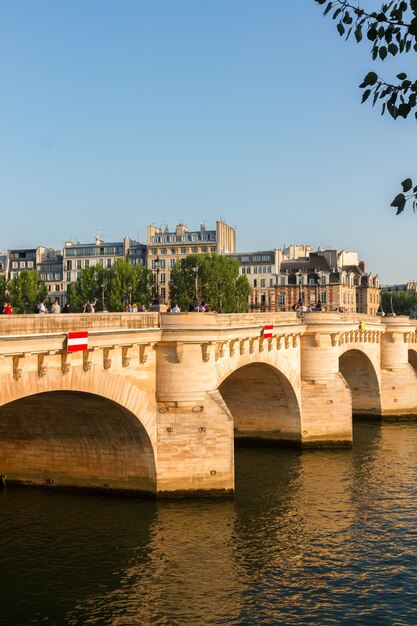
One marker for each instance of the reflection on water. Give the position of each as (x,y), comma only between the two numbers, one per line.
(315,537)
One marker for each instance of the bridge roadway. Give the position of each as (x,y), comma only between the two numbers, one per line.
(155,403)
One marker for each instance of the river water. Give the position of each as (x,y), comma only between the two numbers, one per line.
(312,537)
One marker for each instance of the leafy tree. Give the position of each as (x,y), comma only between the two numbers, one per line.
(217,283)
(391,30)
(87,286)
(402,302)
(26,291)
(127,282)
(119,284)
(3,290)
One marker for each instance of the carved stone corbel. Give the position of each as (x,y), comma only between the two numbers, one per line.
(261,344)
(251,345)
(295,341)
(17,371)
(393,337)
(270,344)
(232,347)
(143,357)
(125,358)
(179,352)
(219,350)
(406,337)
(242,346)
(41,366)
(86,362)
(106,359)
(205,351)
(65,366)
(279,343)
(316,340)
(334,339)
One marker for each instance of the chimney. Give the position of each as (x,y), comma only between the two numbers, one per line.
(362,266)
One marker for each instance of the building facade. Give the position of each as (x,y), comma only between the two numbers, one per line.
(326,279)
(166,247)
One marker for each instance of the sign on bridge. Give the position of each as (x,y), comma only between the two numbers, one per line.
(77,341)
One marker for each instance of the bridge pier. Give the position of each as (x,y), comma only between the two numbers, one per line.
(326,415)
(398,377)
(195,452)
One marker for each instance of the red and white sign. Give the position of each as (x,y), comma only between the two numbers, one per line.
(77,341)
(267,331)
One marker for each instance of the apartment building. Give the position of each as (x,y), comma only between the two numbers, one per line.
(166,247)
(329,279)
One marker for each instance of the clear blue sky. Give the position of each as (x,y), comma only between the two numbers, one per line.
(115,115)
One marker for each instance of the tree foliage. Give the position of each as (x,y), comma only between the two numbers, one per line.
(121,283)
(402,302)
(217,282)
(391,30)
(3,290)
(26,291)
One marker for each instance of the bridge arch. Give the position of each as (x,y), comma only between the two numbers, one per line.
(75,439)
(360,374)
(262,402)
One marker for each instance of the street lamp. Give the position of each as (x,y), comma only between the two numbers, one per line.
(300,293)
(195,270)
(103,287)
(157,267)
(129,289)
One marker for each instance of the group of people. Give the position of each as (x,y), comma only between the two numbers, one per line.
(133,308)
(197,308)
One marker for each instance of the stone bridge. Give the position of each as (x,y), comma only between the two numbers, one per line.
(155,403)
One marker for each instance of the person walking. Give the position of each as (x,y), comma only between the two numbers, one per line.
(42,307)
(7,309)
(55,308)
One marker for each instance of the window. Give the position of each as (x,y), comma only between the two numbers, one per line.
(255,282)
(173,251)
(323,279)
(283,280)
(262,282)
(183,250)
(266,258)
(203,249)
(213,249)
(30,265)
(56,287)
(171,263)
(87,263)
(323,297)
(68,277)
(22,265)
(154,251)
(282,298)
(163,250)
(256,258)
(78,264)
(263,299)
(271,282)
(163,293)
(255,270)
(69,265)
(195,250)
(15,265)
(162,279)
(162,264)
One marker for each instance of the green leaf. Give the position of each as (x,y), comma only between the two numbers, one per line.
(369,80)
(401,76)
(366,95)
(399,203)
(341,29)
(383,52)
(358,34)
(393,49)
(407,184)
